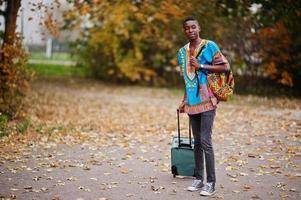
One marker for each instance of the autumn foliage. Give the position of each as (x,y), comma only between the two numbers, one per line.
(275,42)
(13,74)
(14,77)
(127,41)
(137,41)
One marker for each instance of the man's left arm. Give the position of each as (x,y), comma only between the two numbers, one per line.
(219,64)
(218,61)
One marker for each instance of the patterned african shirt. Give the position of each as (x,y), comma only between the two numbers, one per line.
(198,96)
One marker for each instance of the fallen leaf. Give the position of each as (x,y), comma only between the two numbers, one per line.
(28,187)
(231,168)
(251,155)
(71,178)
(274,166)
(232,175)
(247,187)
(129,194)
(243,174)
(293,190)
(153,188)
(124,170)
(36,178)
(255,197)
(173,192)
(298,175)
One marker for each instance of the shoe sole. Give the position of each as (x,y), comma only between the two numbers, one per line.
(192,190)
(207,194)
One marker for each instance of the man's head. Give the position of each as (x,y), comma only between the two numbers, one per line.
(191,28)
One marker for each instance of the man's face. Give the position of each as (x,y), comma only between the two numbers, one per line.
(191,29)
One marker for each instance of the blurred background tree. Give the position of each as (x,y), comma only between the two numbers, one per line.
(137,41)
(279,35)
(264,36)
(129,41)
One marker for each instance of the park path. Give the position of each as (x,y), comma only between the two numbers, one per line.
(89,140)
(52,62)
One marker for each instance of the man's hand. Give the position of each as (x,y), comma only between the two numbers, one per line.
(194,63)
(181,107)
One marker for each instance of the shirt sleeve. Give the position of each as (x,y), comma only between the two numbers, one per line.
(219,59)
(214,55)
(210,51)
(180,62)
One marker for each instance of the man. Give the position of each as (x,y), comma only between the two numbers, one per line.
(198,58)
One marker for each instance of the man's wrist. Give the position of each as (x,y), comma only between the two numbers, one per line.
(200,66)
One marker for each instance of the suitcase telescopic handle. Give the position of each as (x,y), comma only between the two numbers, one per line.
(179,132)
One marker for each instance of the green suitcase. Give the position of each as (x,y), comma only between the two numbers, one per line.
(182,155)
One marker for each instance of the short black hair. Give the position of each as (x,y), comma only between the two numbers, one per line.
(190,18)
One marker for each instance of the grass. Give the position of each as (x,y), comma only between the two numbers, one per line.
(23,125)
(3,125)
(56,70)
(55,56)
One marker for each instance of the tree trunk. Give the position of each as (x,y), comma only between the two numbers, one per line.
(10,16)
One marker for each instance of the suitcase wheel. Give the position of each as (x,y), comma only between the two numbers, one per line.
(174,171)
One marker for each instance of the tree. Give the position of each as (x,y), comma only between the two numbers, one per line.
(136,41)
(265,35)
(13,76)
(10,14)
(280,26)
(128,40)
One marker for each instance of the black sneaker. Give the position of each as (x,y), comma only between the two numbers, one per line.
(196,184)
(208,189)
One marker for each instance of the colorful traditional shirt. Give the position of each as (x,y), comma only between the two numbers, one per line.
(198,96)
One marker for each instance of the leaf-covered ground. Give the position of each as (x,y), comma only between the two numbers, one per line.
(89,140)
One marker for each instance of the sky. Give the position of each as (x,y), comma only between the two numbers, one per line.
(31,29)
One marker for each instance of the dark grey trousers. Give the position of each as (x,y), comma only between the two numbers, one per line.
(202,130)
